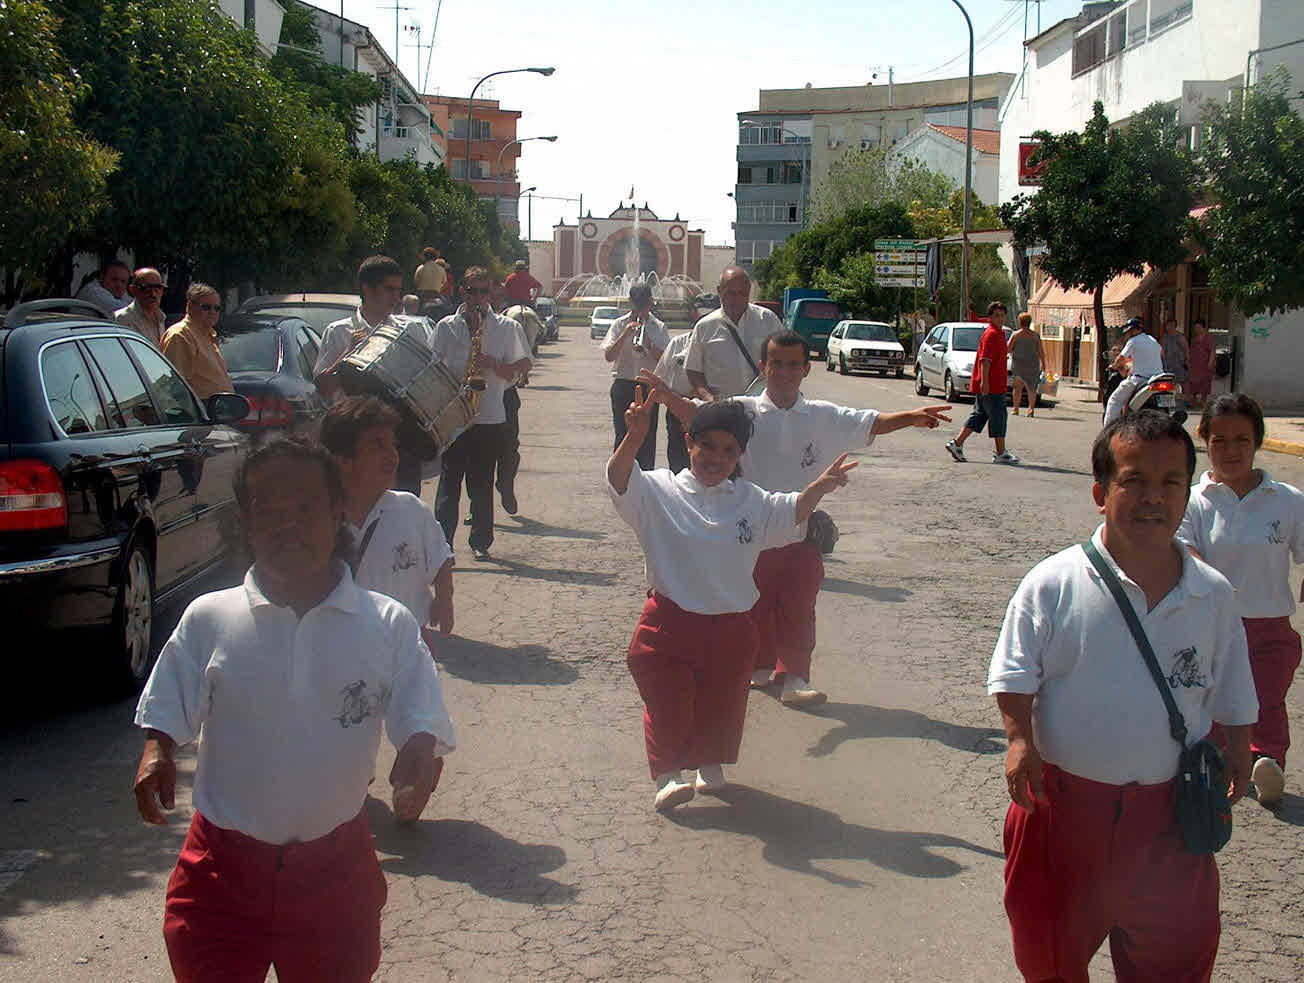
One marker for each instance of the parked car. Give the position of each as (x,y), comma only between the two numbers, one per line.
(115,481)
(546,308)
(946,356)
(813,318)
(270,359)
(706,303)
(318,310)
(600,320)
(865,346)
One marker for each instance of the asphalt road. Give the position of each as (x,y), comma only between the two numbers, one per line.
(861,842)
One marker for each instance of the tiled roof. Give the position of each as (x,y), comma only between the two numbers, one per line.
(984,141)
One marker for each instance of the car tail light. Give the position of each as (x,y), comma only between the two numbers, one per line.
(31,497)
(269,410)
(1163,387)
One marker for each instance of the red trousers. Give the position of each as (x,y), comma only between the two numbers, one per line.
(789,579)
(1107,861)
(237,905)
(1274,657)
(693,672)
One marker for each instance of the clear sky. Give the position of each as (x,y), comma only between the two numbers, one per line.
(646,95)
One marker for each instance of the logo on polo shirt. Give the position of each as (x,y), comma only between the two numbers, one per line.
(744,531)
(809,454)
(1274,532)
(1186,670)
(405,557)
(357,704)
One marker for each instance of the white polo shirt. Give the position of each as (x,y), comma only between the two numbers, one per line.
(404,552)
(628,362)
(1146,355)
(290,708)
(700,544)
(502,338)
(341,336)
(713,352)
(1249,540)
(791,448)
(1097,712)
(671,367)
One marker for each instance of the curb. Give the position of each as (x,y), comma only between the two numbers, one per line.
(1283,446)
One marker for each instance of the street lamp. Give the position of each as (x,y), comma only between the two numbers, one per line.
(968,173)
(805,164)
(470,103)
(529,204)
(498,168)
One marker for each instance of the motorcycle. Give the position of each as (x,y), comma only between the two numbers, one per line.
(1160,393)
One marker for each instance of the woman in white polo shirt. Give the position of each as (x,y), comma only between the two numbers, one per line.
(1249,527)
(701,532)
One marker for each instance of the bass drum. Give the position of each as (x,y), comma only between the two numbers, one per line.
(396,364)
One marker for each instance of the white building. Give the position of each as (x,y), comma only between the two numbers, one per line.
(941,149)
(1128,55)
(262,16)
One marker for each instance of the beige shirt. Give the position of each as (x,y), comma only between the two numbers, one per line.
(197,358)
(133,317)
(713,352)
(430,278)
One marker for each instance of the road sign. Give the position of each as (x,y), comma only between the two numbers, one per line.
(881,245)
(899,281)
(897,269)
(898,256)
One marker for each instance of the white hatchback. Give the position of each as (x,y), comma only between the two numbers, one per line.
(865,346)
(601,320)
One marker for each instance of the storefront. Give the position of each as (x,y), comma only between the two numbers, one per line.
(1066,321)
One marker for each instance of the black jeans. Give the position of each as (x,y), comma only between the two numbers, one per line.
(509,454)
(470,458)
(622,394)
(676,449)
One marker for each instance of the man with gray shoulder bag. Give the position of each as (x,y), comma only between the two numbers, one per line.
(1117,662)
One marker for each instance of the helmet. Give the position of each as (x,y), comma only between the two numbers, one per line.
(1133,324)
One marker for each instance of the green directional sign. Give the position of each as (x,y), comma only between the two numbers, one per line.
(882,245)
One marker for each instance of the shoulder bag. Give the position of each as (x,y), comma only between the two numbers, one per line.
(751,362)
(1204,814)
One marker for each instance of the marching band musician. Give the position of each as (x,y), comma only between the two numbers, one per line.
(477,342)
(695,643)
(634,341)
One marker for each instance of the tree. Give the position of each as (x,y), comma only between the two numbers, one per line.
(53,176)
(1253,163)
(851,285)
(867,177)
(1112,201)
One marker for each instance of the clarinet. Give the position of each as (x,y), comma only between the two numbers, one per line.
(639,346)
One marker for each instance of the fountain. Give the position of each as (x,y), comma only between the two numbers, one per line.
(673,295)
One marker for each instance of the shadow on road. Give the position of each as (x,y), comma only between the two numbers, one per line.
(469,853)
(796,835)
(483,662)
(1291,810)
(533,527)
(1051,469)
(499,564)
(861,722)
(837,585)
(548,389)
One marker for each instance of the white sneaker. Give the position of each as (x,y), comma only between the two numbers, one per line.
(1269,782)
(672,790)
(797,692)
(956,450)
(1004,457)
(762,678)
(710,779)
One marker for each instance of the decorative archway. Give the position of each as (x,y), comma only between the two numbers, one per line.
(613,255)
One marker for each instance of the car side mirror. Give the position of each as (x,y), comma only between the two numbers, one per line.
(226,407)
(940,346)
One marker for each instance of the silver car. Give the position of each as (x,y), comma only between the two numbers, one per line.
(946,356)
(601,319)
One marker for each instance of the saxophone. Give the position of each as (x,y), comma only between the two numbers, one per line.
(473,384)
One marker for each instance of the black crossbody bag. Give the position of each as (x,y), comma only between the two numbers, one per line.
(751,362)
(1204,814)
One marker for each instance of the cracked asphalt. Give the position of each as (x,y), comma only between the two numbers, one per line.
(861,841)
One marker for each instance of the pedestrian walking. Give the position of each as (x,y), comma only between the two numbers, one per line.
(1248,527)
(671,370)
(635,341)
(144,314)
(1175,351)
(1142,357)
(1093,845)
(988,385)
(1200,358)
(695,643)
(475,343)
(724,350)
(1027,361)
(191,343)
(509,454)
(430,277)
(288,677)
(107,289)
(793,441)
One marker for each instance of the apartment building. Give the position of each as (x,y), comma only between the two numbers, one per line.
(494,150)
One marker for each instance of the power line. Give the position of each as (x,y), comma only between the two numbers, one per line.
(1004,22)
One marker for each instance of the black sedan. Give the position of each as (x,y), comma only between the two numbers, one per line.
(270,358)
(115,481)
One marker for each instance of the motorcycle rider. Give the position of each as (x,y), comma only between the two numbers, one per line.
(1147,359)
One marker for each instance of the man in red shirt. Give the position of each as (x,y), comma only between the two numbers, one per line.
(521,288)
(988,385)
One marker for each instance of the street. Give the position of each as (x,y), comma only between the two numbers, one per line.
(862,840)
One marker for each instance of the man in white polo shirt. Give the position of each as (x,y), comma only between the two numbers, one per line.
(794,441)
(724,353)
(671,369)
(474,454)
(287,677)
(1093,850)
(635,341)
(1146,357)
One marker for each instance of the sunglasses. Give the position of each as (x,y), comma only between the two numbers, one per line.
(211,308)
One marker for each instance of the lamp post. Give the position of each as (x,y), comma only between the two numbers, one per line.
(968,173)
(529,214)
(470,103)
(498,168)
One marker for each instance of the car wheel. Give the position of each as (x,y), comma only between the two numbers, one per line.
(828,362)
(842,365)
(920,388)
(952,394)
(132,631)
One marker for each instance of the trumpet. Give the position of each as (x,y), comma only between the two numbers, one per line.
(639,345)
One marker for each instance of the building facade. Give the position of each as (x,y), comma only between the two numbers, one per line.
(1128,55)
(941,149)
(787,146)
(494,150)
(263,17)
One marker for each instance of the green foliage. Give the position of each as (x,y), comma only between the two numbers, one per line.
(851,285)
(861,178)
(1254,166)
(946,220)
(1111,201)
(53,176)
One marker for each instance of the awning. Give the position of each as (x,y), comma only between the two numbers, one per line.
(1123,297)
(984,237)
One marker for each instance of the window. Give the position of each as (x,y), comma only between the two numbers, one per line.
(792,214)
(790,173)
(744,175)
(1136,23)
(762,133)
(132,405)
(480,170)
(1166,13)
(481,129)
(837,134)
(744,251)
(1089,49)
(175,401)
(70,391)
(459,169)
(763,249)
(1117,31)
(252,351)
(459,128)
(307,352)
